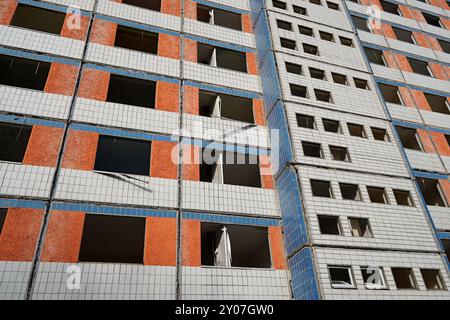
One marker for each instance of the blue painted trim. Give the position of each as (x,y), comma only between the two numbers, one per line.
(221,44)
(222,7)
(415,125)
(225,147)
(137,25)
(429,175)
(228,219)
(37,56)
(405,85)
(229,91)
(51,6)
(18,203)
(132,74)
(30,121)
(111,210)
(443,235)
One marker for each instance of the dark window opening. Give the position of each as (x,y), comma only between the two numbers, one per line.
(3,212)
(219,17)
(361,23)
(332,126)
(361,84)
(420,67)
(294,68)
(131,91)
(137,40)
(310,49)
(285,25)
(226,106)
(322,95)
(305,121)
(221,57)
(321,188)
(403,35)
(288,44)
(332,5)
(279,4)
(432,192)
(445,45)
(235,246)
(403,198)
(346,41)
(375,56)
(356,130)
(350,191)
(23,73)
(341,277)
(438,103)
(318,2)
(380,134)
(122,155)
(432,279)
(330,225)
(298,91)
(446,244)
(146,4)
(390,7)
(312,149)
(339,78)
(339,154)
(326,36)
(306,31)
(39,19)
(360,227)
(404,278)
(390,93)
(432,19)
(13,141)
(299,10)
(409,138)
(377,195)
(317,73)
(112,239)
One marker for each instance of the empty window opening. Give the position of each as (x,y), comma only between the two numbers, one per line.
(329,225)
(375,56)
(341,277)
(377,195)
(432,279)
(432,192)
(122,155)
(298,91)
(420,67)
(445,45)
(317,73)
(145,4)
(321,188)
(310,49)
(284,25)
(356,130)
(306,31)
(332,5)
(409,138)
(438,103)
(350,191)
(23,73)
(433,20)
(446,244)
(318,2)
(326,36)
(312,149)
(294,68)
(279,4)
(346,41)
(219,17)
(403,35)
(361,83)
(112,239)
(390,93)
(3,212)
(221,57)
(373,278)
(322,95)
(13,141)
(380,134)
(226,106)
(390,7)
(235,246)
(361,23)
(339,78)
(131,91)
(403,198)
(332,126)
(39,19)
(339,154)
(404,278)
(136,39)
(299,10)
(288,44)
(305,121)
(360,227)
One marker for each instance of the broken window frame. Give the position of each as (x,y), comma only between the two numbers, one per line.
(342,284)
(357,228)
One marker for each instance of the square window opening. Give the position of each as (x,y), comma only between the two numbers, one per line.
(329,225)
(380,134)
(298,91)
(312,150)
(403,198)
(326,36)
(131,91)
(332,126)
(306,31)
(339,78)
(317,74)
(360,227)
(294,68)
(13,141)
(322,95)
(377,195)
(341,277)
(339,154)
(136,40)
(310,49)
(321,188)
(305,121)
(432,192)
(288,44)
(356,130)
(404,278)
(350,191)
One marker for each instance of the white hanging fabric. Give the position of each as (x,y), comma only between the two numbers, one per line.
(218,170)
(222,255)
(217,109)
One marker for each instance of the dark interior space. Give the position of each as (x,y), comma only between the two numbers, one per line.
(146,4)
(135,39)
(131,91)
(13,141)
(3,212)
(431,192)
(38,19)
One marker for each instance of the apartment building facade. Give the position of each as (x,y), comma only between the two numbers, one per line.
(106,108)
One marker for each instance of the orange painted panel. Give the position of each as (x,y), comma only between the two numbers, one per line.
(191,167)
(172,7)
(190,50)
(80,150)
(43,146)
(169,46)
(63,238)
(94,85)
(252,67)
(191,243)
(266,172)
(191,100)
(75,33)
(61,79)
(167,96)
(247,23)
(258,112)
(160,242)
(277,248)
(20,233)
(162,165)
(190,9)
(103,32)
(426,141)
(441,143)
(7,9)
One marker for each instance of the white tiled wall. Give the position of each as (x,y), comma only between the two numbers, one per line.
(14,276)
(425,161)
